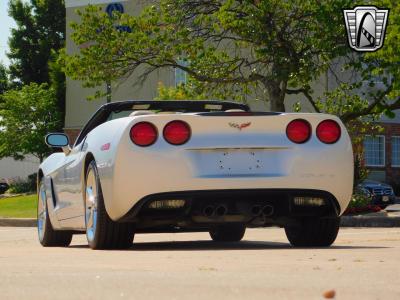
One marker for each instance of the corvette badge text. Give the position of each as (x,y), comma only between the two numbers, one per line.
(366,27)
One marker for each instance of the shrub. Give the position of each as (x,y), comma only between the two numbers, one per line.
(360,203)
(21,186)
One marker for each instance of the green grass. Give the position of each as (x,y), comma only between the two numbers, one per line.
(18,207)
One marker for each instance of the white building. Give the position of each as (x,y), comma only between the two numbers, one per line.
(11,169)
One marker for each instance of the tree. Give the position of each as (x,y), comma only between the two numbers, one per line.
(375,89)
(3,79)
(57,82)
(35,43)
(40,29)
(181,92)
(267,48)
(278,47)
(27,115)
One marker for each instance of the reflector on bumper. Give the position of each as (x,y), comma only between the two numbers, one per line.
(167,204)
(308,201)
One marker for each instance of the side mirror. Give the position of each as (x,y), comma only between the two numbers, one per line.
(58,140)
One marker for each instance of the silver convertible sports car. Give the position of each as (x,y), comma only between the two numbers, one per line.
(181,166)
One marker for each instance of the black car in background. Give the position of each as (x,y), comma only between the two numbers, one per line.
(3,187)
(381,194)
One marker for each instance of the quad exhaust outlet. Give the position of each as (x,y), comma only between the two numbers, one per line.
(218,211)
(258,210)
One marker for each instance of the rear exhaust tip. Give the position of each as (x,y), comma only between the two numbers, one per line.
(256,210)
(268,210)
(208,211)
(221,211)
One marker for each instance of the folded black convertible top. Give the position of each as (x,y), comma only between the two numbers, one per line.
(179,106)
(185,106)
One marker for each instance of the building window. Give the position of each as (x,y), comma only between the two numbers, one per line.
(180,75)
(374,148)
(396,151)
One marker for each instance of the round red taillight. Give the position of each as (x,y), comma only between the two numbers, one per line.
(298,131)
(143,134)
(328,131)
(177,132)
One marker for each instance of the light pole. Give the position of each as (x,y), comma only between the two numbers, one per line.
(108,93)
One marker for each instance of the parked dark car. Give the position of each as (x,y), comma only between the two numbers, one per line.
(3,187)
(381,194)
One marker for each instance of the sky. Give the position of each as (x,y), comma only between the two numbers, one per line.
(6,23)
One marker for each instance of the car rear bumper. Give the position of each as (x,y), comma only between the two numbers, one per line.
(126,187)
(129,192)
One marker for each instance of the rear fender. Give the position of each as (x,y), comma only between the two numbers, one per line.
(101,146)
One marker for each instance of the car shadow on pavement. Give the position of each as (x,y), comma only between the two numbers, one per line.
(210,245)
(207,245)
(215,246)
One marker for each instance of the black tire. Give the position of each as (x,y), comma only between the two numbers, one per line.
(108,234)
(48,237)
(313,232)
(228,233)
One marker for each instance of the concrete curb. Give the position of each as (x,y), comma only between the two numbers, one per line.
(370,221)
(6,222)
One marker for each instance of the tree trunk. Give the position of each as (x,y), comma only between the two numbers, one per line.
(276,96)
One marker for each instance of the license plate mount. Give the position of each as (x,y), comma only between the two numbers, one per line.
(240,161)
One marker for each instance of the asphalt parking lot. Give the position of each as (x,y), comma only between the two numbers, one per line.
(363,264)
